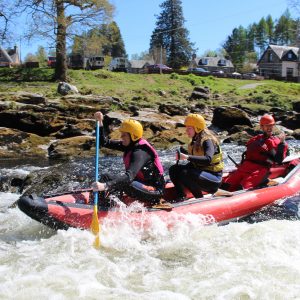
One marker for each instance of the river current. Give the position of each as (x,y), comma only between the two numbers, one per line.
(245,260)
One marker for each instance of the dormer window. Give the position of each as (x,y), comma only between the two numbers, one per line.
(270,57)
(289,56)
(222,62)
(203,61)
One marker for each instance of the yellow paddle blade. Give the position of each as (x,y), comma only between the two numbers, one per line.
(97,242)
(95,227)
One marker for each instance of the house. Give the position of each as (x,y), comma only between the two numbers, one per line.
(216,64)
(280,62)
(139,66)
(10,57)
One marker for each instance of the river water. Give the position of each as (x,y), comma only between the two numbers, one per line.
(190,261)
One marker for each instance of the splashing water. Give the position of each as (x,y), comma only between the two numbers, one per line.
(187,260)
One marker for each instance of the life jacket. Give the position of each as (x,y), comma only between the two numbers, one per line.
(140,175)
(216,164)
(259,146)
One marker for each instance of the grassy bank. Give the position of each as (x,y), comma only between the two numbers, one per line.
(149,90)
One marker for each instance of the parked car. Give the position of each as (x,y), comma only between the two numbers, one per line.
(236,75)
(51,61)
(249,75)
(157,67)
(198,70)
(119,64)
(94,62)
(217,72)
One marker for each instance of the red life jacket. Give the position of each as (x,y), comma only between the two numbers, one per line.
(157,163)
(260,145)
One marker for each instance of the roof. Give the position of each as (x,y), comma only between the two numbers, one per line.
(280,51)
(5,55)
(140,64)
(213,61)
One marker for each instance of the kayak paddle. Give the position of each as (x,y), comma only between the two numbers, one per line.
(95,226)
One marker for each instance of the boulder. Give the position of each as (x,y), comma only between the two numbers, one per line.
(65,88)
(226,117)
(296,106)
(72,147)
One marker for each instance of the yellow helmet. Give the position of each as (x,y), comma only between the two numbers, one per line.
(133,127)
(196,121)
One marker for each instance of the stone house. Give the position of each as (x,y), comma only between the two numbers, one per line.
(10,57)
(214,64)
(280,62)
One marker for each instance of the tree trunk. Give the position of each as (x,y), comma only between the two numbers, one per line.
(61,57)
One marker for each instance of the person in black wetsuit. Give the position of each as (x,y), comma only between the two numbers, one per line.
(143,177)
(203,172)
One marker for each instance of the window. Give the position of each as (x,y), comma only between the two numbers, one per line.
(203,61)
(289,56)
(222,62)
(270,57)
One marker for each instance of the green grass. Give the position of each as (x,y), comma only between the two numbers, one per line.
(149,90)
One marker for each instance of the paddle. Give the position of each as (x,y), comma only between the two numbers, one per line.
(95,226)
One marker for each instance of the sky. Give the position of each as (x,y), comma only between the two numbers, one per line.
(208,22)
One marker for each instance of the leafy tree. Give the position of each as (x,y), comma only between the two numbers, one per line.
(270,29)
(285,29)
(236,46)
(144,55)
(106,40)
(57,19)
(209,53)
(41,56)
(171,35)
(261,34)
(30,58)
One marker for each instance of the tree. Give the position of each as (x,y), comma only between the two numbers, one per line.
(236,46)
(171,35)
(103,40)
(5,20)
(41,56)
(285,29)
(58,19)
(270,29)
(31,58)
(144,55)
(261,34)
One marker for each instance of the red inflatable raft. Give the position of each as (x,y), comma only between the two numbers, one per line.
(75,209)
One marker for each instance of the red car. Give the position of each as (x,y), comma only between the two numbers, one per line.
(51,61)
(157,67)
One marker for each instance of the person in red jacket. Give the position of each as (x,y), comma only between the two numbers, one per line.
(262,152)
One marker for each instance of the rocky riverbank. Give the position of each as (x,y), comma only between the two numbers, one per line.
(33,125)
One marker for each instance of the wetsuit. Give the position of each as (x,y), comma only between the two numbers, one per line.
(201,173)
(142,179)
(262,152)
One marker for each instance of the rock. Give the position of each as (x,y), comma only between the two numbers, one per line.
(30,98)
(296,106)
(69,130)
(72,147)
(199,95)
(291,122)
(296,134)
(65,88)
(173,110)
(201,89)
(226,117)
(241,138)
(19,144)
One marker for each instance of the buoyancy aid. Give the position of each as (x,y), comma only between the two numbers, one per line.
(216,164)
(127,158)
(259,146)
